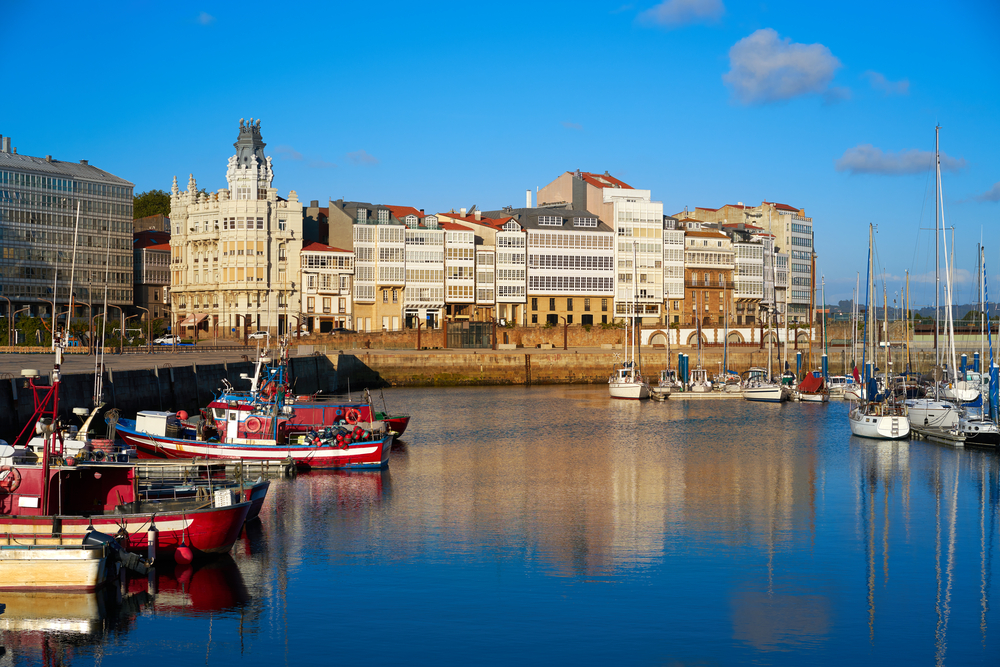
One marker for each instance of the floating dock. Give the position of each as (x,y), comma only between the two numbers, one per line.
(944,436)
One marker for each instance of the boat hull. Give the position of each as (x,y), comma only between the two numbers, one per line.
(880,427)
(629,390)
(212,530)
(62,568)
(357,455)
(771,394)
(813,398)
(928,412)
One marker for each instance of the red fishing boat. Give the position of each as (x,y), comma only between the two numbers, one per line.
(47,499)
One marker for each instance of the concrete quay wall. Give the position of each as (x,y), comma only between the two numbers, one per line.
(162,387)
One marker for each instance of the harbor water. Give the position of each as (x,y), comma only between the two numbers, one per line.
(531,525)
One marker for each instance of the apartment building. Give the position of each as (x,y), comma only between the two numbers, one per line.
(40,199)
(327,274)
(638,223)
(673,267)
(709,262)
(151,263)
(793,234)
(423,298)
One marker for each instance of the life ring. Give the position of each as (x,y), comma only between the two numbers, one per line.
(253,424)
(353,416)
(10,478)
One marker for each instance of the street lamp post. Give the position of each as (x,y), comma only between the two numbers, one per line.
(9,321)
(125,324)
(565,330)
(26,308)
(149,327)
(121,337)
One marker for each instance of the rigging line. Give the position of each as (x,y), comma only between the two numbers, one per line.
(923,207)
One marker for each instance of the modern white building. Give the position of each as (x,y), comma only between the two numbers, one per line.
(423,299)
(235,253)
(673,260)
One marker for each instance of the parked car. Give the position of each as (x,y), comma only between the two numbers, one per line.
(304,332)
(259,335)
(342,330)
(167,340)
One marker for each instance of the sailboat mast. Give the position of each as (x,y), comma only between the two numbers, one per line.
(937,258)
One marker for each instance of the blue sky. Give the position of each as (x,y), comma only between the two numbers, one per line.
(828,107)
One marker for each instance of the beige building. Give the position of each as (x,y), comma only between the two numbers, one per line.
(326,288)
(235,253)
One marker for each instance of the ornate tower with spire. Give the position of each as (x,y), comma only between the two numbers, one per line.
(234,264)
(249,173)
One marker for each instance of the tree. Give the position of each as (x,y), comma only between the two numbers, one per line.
(153,202)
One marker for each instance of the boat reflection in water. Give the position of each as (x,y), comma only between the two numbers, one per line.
(57,628)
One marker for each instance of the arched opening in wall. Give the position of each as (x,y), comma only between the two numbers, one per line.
(658,339)
(693,339)
(802,338)
(773,337)
(735,337)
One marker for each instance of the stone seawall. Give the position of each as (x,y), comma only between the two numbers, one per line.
(163,387)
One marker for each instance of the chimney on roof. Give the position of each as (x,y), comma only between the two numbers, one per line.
(462,211)
(314,203)
(479,214)
(4,144)
(527,198)
(578,174)
(48,158)
(81,161)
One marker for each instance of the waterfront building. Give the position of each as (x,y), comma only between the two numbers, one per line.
(39,200)
(638,223)
(379,245)
(423,297)
(793,233)
(673,269)
(235,253)
(151,263)
(750,249)
(570,268)
(501,268)
(709,261)
(326,288)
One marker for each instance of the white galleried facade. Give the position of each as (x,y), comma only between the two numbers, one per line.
(235,253)
(380,269)
(673,260)
(326,288)
(423,300)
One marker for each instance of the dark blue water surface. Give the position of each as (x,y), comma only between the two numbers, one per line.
(553,525)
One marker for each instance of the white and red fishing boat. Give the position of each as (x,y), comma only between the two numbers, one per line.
(49,499)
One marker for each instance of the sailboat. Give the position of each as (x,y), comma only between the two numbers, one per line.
(933,411)
(876,415)
(759,384)
(627,381)
(981,428)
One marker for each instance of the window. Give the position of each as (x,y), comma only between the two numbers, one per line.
(584,222)
(311,304)
(281,252)
(569,306)
(552,303)
(604,319)
(604,307)
(569,319)
(385,296)
(586,304)
(395,296)
(534,319)
(383,216)
(550,220)
(534,304)
(362,215)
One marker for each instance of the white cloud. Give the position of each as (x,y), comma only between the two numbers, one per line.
(879,82)
(676,13)
(288,153)
(362,157)
(571,126)
(993,194)
(204,18)
(766,68)
(866,159)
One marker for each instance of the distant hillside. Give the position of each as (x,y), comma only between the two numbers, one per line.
(844,308)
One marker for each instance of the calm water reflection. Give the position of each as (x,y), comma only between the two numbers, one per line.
(550,524)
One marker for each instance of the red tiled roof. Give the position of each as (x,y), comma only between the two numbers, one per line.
(781,207)
(159,246)
(706,234)
(402,211)
(313,246)
(603,180)
(447,224)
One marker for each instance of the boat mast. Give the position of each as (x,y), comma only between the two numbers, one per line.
(72,272)
(908,319)
(937,258)
(826,350)
(950,319)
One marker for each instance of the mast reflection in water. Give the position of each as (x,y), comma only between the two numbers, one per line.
(551,524)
